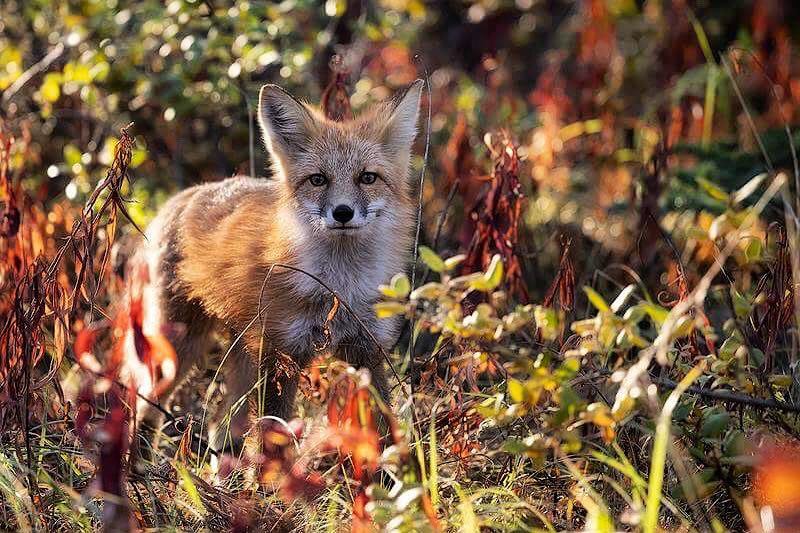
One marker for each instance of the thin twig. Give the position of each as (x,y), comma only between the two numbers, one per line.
(412,320)
(730,396)
(749,116)
(349,310)
(440,225)
(250,128)
(35,69)
(790,213)
(443,215)
(723,395)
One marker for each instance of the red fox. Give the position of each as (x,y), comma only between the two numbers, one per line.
(339,207)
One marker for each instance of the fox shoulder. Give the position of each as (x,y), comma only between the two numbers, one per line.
(224,234)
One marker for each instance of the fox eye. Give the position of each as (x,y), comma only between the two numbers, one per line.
(368,178)
(317,180)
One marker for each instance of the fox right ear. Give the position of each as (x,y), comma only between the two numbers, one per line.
(285,123)
(400,123)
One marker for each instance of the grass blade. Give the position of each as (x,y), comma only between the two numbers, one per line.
(660,445)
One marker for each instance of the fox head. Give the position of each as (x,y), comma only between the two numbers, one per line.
(342,178)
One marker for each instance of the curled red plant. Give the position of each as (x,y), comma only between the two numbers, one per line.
(497,214)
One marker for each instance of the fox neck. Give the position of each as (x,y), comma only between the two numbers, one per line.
(353,265)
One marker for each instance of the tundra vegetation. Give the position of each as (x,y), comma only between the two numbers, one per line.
(602,320)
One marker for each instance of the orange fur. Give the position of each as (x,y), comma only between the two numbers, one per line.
(211,248)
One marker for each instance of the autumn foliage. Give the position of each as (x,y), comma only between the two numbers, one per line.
(602,329)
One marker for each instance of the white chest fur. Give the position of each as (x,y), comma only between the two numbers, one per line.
(353,270)
(354,274)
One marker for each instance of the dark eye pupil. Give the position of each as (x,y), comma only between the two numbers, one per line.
(368,178)
(318,180)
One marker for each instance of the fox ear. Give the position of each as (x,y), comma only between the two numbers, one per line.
(285,123)
(401,123)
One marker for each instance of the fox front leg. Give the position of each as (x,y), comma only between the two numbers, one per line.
(278,391)
(230,423)
(364,353)
(276,375)
(255,387)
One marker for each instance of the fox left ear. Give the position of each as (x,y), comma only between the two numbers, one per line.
(285,123)
(401,125)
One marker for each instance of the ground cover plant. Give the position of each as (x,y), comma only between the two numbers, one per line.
(602,321)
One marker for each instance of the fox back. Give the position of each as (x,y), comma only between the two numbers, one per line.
(257,257)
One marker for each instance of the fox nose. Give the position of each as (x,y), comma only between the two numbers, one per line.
(343,213)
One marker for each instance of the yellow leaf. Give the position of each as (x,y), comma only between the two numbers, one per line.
(452,262)
(428,291)
(389,309)
(50,90)
(596,299)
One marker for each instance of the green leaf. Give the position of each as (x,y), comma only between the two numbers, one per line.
(656,313)
(658,456)
(72,155)
(99,71)
(138,156)
(783,381)
(584,327)
(466,280)
(491,278)
(401,285)
(388,291)
(568,369)
(712,189)
(600,521)
(469,520)
(728,348)
(596,299)
(515,446)
(569,404)
(548,321)
(188,485)
(623,407)
(433,480)
(756,358)
(634,314)
(714,424)
(532,446)
(431,259)
(684,325)
(80,74)
(753,250)
(741,306)
(734,443)
(398,287)
(494,274)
